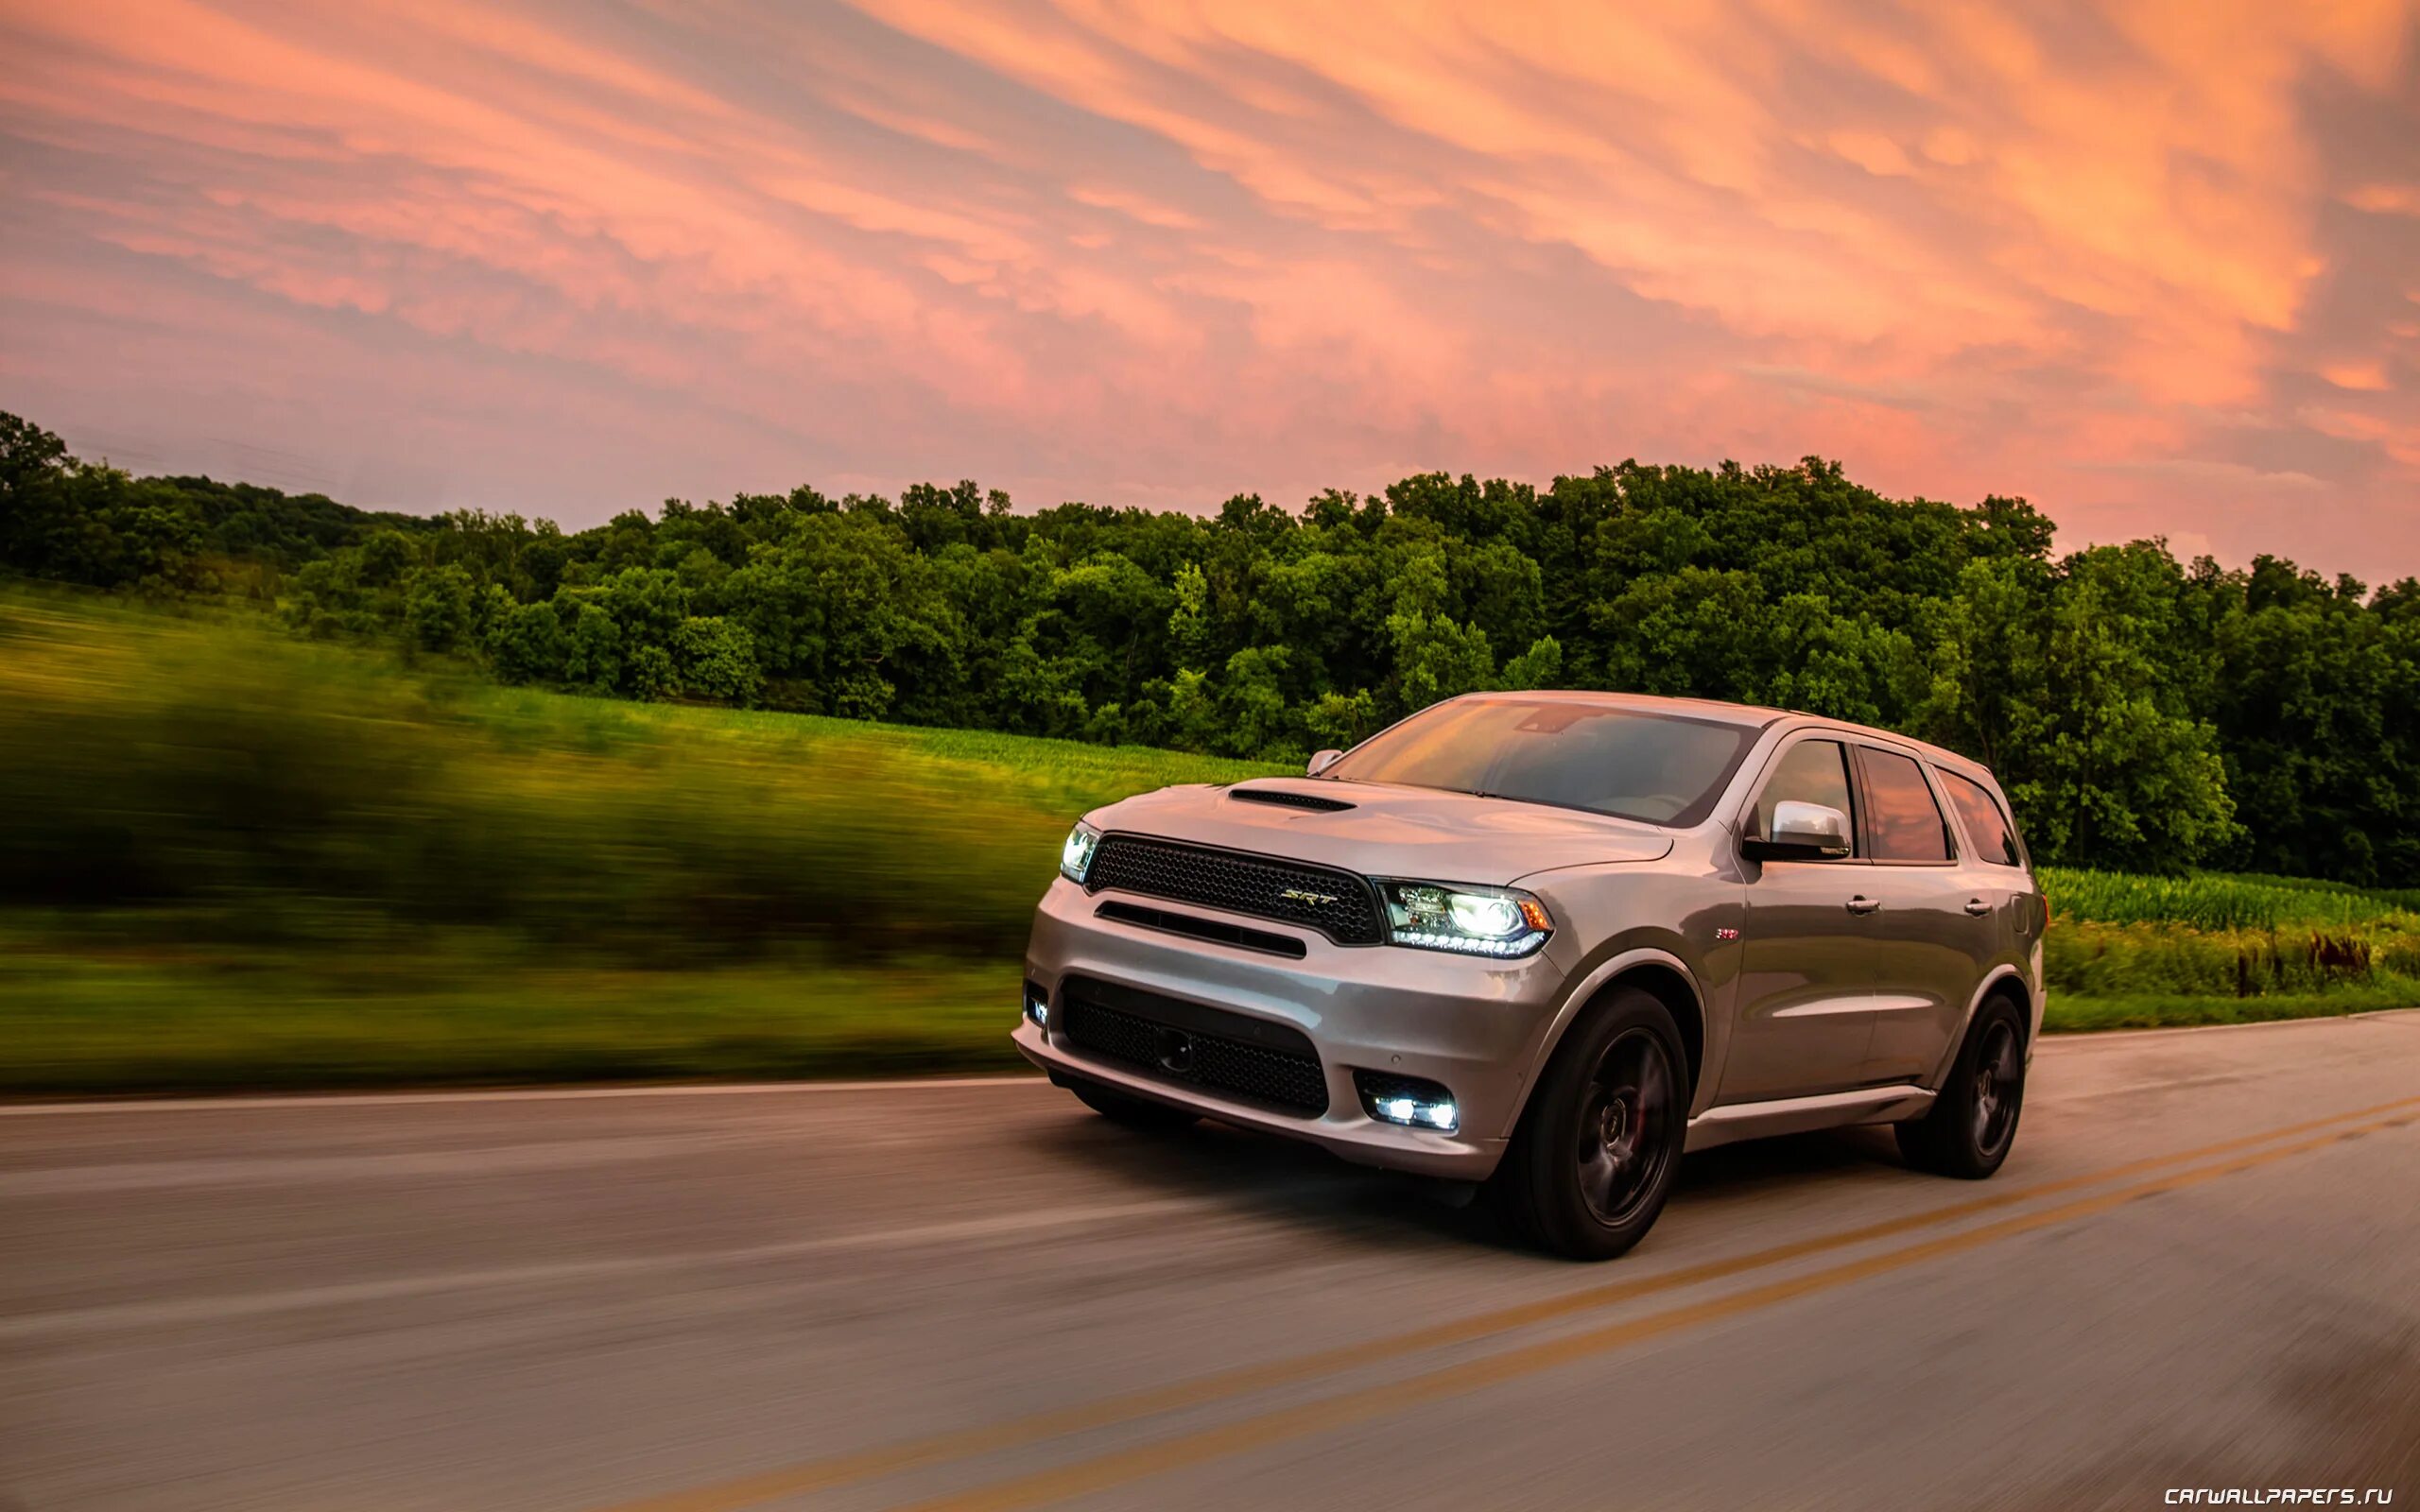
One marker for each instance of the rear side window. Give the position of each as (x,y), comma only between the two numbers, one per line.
(1901,817)
(1812,771)
(1994,836)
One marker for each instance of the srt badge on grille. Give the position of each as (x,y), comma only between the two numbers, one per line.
(1303,895)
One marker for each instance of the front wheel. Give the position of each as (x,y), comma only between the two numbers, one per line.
(1601,1142)
(1973,1122)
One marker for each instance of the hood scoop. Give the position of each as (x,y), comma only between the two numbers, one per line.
(1287,798)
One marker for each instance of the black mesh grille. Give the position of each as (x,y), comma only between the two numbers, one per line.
(1248,1059)
(1285,797)
(1336,903)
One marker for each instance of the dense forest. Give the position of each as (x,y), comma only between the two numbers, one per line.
(2144,713)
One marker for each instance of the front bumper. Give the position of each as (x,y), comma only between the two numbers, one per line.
(1471,1023)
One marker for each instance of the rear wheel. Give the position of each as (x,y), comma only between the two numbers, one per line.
(1134,1112)
(1599,1143)
(1973,1122)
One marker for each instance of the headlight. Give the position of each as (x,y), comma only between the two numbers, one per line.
(1474,920)
(1076,856)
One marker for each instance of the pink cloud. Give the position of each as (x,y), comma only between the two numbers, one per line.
(2114,259)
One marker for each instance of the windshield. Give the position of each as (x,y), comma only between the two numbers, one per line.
(1628,763)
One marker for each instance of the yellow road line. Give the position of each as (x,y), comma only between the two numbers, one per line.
(1063,1482)
(839,1469)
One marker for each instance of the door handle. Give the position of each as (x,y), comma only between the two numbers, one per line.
(1978,907)
(1862,904)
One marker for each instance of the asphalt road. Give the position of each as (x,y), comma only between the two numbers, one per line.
(2201,1268)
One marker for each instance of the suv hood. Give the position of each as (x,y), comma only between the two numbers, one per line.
(1416,832)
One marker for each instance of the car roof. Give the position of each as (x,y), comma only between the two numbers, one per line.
(1748,715)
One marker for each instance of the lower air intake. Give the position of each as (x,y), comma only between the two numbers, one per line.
(1230,1055)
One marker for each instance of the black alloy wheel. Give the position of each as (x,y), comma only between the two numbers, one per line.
(1999,1082)
(1624,1131)
(1600,1144)
(1972,1123)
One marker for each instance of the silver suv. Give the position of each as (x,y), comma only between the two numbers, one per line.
(1551,941)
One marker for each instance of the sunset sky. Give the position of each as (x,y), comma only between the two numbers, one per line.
(2154,266)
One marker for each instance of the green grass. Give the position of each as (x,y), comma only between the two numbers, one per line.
(87,1021)
(1066,773)
(236,860)
(2066,1014)
(2217,900)
(220,773)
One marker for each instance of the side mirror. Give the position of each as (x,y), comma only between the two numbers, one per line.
(1802,832)
(1320,762)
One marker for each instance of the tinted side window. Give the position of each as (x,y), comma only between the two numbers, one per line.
(1812,771)
(1995,837)
(1904,820)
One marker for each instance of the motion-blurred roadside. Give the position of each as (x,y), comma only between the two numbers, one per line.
(234,858)
(238,859)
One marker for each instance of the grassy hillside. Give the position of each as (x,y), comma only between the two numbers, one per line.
(236,859)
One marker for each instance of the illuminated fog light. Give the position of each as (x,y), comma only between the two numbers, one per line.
(1037,1006)
(1410,1101)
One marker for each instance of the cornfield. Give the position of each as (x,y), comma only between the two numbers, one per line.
(2216,900)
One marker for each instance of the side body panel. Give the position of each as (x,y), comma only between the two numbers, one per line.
(1805,1012)
(2019,914)
(1803,1019)
(1681,916)
(1935,934)
(1930,953)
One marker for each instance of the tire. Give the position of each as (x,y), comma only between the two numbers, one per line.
(1600,1144)
(1973,1120)
(1134,1112)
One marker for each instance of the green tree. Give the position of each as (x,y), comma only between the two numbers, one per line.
(2117,774)
(593,656)
(1341,720)
(2139,712)
(437,608)
(526,642)
(715,658)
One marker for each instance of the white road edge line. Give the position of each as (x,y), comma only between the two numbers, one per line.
(506,1095)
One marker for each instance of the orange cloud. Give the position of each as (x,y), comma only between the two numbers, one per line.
(2129,260)
(2386,198)
(2369,376)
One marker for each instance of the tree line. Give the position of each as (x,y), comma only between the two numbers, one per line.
(2143,712)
